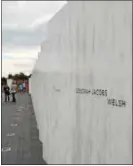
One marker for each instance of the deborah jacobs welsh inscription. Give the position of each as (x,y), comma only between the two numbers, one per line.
(102,92)
(117,103)
(98,92)
(81,90)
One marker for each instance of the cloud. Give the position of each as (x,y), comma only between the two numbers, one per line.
(20,52)
(24,22)
(20,59)
(24,37)
(7,57)
(26,13)
(17,66)
(24,28)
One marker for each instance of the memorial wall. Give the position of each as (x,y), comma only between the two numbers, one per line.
(81,85)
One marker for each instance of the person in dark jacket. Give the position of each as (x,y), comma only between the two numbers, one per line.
(13,91)
(7,92)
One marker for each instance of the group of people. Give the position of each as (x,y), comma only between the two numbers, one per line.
(10,91)
(21,87)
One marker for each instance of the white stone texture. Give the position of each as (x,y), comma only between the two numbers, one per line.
(30,85)
(89,46)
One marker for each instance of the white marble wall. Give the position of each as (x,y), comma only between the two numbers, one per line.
(30,85)
(89,46)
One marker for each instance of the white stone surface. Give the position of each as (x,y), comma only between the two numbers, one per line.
(89,46)
(30,85)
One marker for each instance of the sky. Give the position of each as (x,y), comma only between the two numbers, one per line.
(24,26)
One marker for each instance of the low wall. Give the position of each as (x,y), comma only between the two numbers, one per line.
(82,84)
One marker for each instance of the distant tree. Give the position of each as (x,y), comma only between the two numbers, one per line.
(16,77)
(20,76)
(10,76)
(23,76)
(29,75)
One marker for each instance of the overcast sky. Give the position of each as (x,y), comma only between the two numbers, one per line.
(23,30)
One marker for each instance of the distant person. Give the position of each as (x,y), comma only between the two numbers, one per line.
(13,91)
(20,88)
(26,86)
(2,91)
(23,86)
(7,92)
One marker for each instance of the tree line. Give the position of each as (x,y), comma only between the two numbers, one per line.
(20,76)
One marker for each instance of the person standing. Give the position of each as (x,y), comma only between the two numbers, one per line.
(2,94)
(19,87)
(26,86)
(7,92)
(13,91)
(24,89)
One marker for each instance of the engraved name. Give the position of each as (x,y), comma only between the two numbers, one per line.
(117,103)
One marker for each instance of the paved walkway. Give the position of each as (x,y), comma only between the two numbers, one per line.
(20,136)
